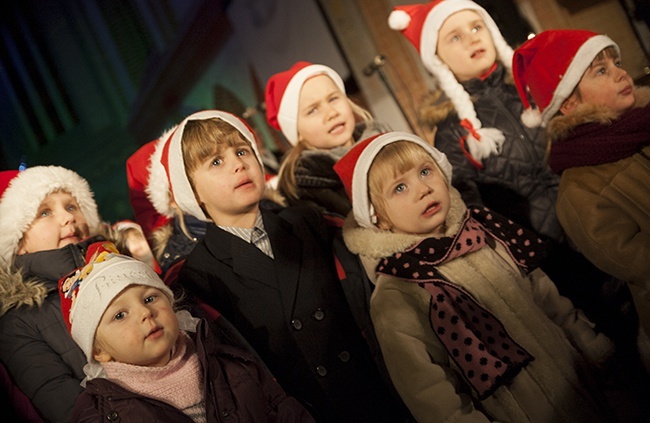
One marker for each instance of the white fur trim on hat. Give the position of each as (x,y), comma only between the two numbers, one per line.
(104,281)
(24,195)
(581,61)
(490,140)
(157,188)
(179,181)
(363,209)
(288,110)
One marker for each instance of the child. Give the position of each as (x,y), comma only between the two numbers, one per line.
(148,363)
(271,272)
(309,105)
(129,238)
(599,125)
(497,160)
(469,328)
(47,218)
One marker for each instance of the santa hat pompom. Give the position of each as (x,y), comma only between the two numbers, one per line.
(531,117)
(399,20)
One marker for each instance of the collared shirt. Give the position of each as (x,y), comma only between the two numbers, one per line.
(256,235)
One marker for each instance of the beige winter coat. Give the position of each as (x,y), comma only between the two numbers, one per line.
(549,389)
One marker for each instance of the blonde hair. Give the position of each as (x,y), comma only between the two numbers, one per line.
(393,160)
(286,175)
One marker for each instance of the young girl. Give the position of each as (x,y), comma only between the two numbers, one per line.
(47,219)
(148,363)
(470,329)
(497,160)
(272,272)
(309,105)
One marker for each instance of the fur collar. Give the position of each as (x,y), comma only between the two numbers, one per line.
(15,291)
(375,243)
(561,126)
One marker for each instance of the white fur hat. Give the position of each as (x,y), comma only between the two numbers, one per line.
(354,166)
(24,194)
(88,291)
(420,24)
(168,176)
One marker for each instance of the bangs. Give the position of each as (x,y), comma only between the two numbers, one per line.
(206,138)
(395,159)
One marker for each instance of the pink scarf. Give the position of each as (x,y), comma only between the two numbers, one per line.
(179,383)
(474,338)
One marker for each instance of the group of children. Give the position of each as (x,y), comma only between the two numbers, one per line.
(386,279)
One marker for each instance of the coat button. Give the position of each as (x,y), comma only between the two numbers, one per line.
(319,314)
(297,324)
(321,370)
(344,356)
(112,416)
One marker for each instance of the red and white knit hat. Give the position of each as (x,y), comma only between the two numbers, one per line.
(88,291)
(283,94)
(420,24)
(168,177)
(551,65)
(354,166)
(23,192)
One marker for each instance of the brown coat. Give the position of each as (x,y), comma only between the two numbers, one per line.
(605,209)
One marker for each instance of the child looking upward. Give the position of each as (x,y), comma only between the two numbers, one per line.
(470,329)
(599,126)
(271,271)
(308,103)
(497,160)
(47,219)
(146,362)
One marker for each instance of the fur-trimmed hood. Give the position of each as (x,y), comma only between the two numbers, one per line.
(33,276)
(377,244)
(561,126)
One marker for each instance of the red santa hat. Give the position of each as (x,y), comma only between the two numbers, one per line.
(420,24)
(354,166)
(168,177)
(283,93)
(22,194)
(138,172)
(86,292)
(551,65)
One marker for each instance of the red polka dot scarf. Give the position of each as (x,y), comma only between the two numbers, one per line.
(476,340)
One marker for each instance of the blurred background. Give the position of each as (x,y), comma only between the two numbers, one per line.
(84,83)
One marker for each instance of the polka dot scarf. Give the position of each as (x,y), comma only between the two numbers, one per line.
(474,338)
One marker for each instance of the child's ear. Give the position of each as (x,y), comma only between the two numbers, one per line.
(101,356)
(569,104)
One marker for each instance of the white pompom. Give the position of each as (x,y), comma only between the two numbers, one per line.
(399,20)
(532,118)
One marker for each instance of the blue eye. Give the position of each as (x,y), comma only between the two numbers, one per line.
(71,208)
(45,213)
(149,299)
(242,152)
(119,315)
(216,162)
(425,172)
(400,188)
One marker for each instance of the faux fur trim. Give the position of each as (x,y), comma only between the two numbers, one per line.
(376,243)
(561,126)
(157,188)
(15,291)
